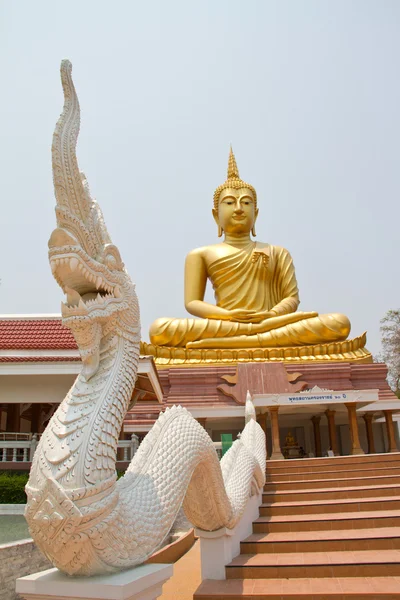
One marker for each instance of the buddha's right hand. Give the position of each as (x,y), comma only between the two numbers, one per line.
(240,315)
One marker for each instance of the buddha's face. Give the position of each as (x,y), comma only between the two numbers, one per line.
(236,211)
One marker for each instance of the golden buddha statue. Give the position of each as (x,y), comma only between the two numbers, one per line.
(290,440)
(291,448)
(256,298)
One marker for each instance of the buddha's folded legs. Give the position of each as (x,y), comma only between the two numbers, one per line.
(179,332)
(316,330)
(295,329)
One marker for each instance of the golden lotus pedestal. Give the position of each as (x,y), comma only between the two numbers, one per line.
(352,350)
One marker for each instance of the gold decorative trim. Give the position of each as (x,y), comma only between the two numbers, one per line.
(348,351)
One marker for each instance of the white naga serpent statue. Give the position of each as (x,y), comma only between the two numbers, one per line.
(83,519)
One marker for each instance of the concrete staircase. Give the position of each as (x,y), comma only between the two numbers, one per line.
(329,529)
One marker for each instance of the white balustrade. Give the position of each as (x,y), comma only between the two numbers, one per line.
(129,447)
(17,447)
(20,447)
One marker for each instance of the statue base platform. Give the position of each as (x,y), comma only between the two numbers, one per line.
(140,583)
(291,452)
(348,351)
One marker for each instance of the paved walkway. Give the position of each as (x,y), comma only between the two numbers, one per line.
(186,578)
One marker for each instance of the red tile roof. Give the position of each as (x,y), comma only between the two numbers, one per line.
(23,359)
(35,334)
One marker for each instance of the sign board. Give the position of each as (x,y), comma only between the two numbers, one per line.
(315,396)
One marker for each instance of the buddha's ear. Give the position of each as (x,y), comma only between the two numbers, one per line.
(215,215)
(253,229)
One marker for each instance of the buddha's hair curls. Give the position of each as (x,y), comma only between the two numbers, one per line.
(236,184)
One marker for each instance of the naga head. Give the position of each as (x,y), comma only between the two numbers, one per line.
(83,260)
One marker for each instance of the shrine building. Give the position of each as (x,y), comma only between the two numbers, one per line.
(310,409)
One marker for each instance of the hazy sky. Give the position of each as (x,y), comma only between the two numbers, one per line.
(308,92)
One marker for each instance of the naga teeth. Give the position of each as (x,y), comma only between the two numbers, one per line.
(73,296)
(73,263)
(108,291)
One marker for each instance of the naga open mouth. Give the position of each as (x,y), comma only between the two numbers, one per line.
(86,289)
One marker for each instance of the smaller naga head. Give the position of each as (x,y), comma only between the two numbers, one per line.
(83,260)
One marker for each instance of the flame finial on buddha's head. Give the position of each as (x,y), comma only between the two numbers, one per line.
(233,181)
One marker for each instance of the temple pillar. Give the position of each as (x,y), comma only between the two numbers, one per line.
(317,435)
(36,409)
(355,438)
(390,431)
(262,421)
(330,414)
(370,432)
(12,418)
(276,445)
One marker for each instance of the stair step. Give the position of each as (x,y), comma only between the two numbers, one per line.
(329,528)
(341,588)
(360,563)
(325,506)
(336,482)
(335,463)
(365,491)
(384,538)
(328,521)
(332,461)
(332,474)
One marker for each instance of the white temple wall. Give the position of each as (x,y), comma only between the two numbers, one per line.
(34,388)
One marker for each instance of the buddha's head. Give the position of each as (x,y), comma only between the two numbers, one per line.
(235,203)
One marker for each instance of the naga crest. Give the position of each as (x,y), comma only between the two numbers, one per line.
(84,262)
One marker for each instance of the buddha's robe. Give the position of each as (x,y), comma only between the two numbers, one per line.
(260,278)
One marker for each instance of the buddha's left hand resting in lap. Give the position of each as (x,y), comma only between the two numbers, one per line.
(255,287)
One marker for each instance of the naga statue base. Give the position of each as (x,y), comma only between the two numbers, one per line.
(347,351)
(140,583)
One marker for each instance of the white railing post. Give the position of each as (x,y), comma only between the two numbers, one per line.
(218,548)
(34,442)
(134,444)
